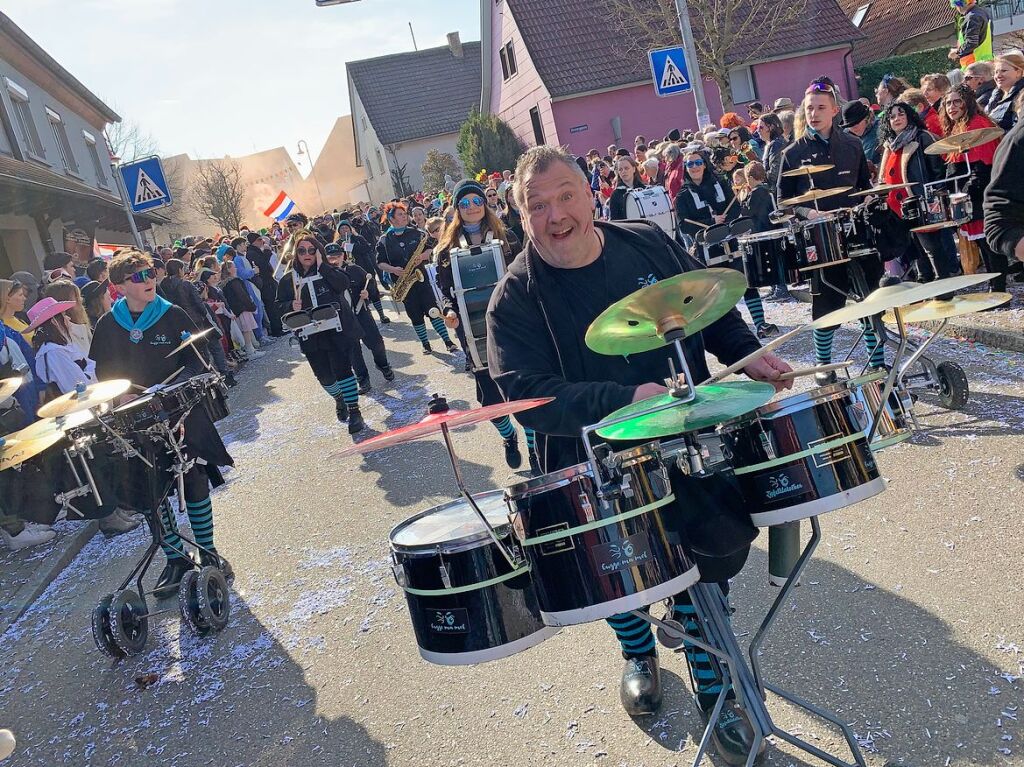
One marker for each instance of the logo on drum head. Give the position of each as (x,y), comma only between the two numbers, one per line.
(781,484)
(453,621)
(811,254)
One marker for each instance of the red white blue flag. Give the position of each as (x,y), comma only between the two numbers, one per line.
(280,207)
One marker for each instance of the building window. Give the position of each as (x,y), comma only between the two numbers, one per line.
(94,155)
(362,119)
(508,61)
(380,162)
(538,127)
(26,126)
(60,136)
(741,81)
(369,167)
(858,16)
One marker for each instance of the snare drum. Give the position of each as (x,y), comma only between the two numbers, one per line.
(940,209)
(819,243)
(712,245)
(160,404)
(592,556)
(803,455)
(895,424)
(466,602)
(764,254)
(214,396)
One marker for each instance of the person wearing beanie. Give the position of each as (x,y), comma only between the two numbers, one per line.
(394,250)
(475,223)
(360,251)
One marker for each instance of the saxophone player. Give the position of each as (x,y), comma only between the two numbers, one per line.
(395,249)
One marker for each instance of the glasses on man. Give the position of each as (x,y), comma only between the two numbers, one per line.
(471,202)
(694,163)
(141,276)
(302,250)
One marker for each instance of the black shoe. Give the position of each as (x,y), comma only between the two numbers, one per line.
(229,379)
(364,385)
(767,330)
(513,457)
(469,364)
(355,420)
(826,379)
(535,464)
(453,349)
(171,575)
(388,373)
(210,559)
(384,320)
(427,349)
(733,735)
(640,688)
(341,409)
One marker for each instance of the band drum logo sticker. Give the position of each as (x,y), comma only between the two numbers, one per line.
(811,253)
(615,557)
(782,486)
(444,622)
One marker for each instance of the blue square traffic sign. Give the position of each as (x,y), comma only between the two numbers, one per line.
(668,66)
(146,185)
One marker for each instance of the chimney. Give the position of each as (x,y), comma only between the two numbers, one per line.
(455,44)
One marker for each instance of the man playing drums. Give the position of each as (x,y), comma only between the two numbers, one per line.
(571,270)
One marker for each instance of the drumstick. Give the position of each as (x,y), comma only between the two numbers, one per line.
(817,369)
(758,354)
(696,223)
(171,377)
(366,286)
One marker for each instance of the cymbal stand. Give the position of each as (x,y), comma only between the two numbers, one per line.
(80,449)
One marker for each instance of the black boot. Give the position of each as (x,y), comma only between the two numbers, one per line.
(171,575)
(640,688)
(733,735)
(534,464)
(211,559)
(767,330)
(384,319)
(364,385)
(513,457)
(341,409)
(426,348)
(388,373)
(452,348)
(229,379)
(469,364)
(355,420)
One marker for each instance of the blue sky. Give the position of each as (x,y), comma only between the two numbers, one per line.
(217,77)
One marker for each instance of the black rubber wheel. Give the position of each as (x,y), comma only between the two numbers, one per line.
(129,622)
(189,605)
(101,633)
(213,598)
(671,641)
(954,390)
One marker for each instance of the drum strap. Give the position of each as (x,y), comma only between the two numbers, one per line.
(464,243)
(820,448)
(558,534)
(471,587)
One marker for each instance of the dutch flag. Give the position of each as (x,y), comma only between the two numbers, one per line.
(280,207)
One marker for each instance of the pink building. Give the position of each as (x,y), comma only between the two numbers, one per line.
(550,72)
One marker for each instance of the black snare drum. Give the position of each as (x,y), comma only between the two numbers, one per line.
(593,556)
(214,396)
(466,602)
(804,455)
(296,320)
(819,243)
(160,404)
(764,255)
(895,424)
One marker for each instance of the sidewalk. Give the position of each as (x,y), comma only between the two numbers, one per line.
(1000,329)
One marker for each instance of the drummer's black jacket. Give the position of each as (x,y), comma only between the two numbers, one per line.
(617,202)
(362,253)
(841,150)
(758,205)
(536,337)
(1004,198)
(702,202)
(329,289)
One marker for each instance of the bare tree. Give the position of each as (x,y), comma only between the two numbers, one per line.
(436,165)
(727,33)
(129,142)
(217,193)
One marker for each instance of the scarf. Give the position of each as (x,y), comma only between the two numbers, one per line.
(816,134)
(154,310)
(473,228)
(896,143)
(395,230)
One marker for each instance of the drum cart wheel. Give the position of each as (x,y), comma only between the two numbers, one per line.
(954,390)
(129,622)
(213,598)
(188,604)
(670,634)
(101,633)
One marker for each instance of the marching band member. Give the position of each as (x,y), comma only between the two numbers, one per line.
(360,292)
(394,249)
(361,252)
(571,270)
(476,222)
(312,282)
(628,174)
(132,341)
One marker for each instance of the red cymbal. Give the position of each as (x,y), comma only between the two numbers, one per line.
(432,424)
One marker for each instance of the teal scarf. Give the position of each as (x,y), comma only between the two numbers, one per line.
(151,315)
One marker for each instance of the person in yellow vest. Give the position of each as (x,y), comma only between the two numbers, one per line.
(973,33)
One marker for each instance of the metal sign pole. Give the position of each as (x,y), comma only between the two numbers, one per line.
(703,116)
(127,208)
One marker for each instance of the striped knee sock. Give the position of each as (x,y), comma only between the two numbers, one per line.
(200,517)
(504,427)
(876,348)
(421,332)
(633,633)
(379,307)
(531,439)
(704,669)
(171,544)
(334,390)
(441,330)
(756,308)
(823,346)
(349,391)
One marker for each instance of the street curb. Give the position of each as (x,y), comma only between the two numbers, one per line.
(46,575)
(998,339)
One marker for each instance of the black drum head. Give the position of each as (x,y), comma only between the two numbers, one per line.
(716,234)
(741,226)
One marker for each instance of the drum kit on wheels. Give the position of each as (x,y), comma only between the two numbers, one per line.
(492,574)
(149,428)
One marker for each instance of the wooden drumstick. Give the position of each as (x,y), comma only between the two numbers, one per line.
(366,286)
(739,365)
(697,223)
(817,369)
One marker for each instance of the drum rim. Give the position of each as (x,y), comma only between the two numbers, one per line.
(835,502)
(771,234)
(792,403)
(497,652)
(455,545)
(550,481)
(824,217)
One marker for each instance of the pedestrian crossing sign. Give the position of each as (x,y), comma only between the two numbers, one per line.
(145,184)
(668,67)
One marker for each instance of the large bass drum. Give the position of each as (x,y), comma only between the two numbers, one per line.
(594,556)
(653,204)
(466,602)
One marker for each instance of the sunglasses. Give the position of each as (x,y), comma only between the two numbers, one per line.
(143,275)
(734,138)
(694,163)
(302,250)
(15,287)
(471,202)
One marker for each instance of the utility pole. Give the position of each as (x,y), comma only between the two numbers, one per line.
(703,116)
(123,194)
(414,47)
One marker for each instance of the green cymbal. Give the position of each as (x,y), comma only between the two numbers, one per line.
(714,404)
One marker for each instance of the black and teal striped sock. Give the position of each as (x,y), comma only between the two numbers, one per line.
(504,427)
(334,390)
(421,332)
(704,670)
(349,391)
(531,439)
(756,308)
(633,633)
(441,330)
(200,517)
(171,543)
(379,307)
(823,346)
(876,348)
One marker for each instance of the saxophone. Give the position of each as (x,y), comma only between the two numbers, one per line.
(411,275)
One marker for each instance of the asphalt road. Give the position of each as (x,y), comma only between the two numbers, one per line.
(909,621)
